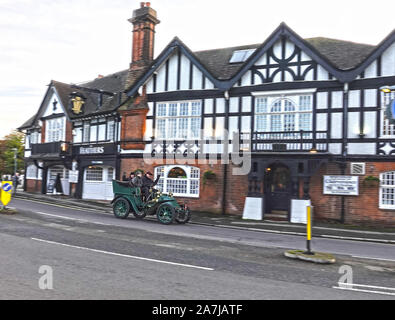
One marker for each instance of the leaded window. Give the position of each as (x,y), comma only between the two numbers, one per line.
(31,172)
(387,128)
(183,181)
(94,174)
(285,114)
(387,190)
(55,130)
(178,120)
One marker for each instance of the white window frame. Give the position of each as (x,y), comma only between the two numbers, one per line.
(384,187)
(387,130)
(60,169)
(55,130)
(171,116)
(276,109)
(193,177)
(29,172)
(103,174)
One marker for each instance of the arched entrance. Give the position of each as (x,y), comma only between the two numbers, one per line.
(277,188)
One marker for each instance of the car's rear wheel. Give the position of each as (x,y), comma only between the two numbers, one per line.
(121,208)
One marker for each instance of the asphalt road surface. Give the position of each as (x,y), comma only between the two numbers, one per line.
(89,254)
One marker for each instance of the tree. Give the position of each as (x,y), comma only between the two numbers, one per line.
(14,140)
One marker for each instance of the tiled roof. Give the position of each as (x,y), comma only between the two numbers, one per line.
(217,60)
(343,55)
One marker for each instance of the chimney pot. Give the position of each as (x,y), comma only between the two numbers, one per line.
(148,4)
(142,4)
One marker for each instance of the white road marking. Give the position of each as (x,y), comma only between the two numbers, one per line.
(366,291)
(123,255)
(365,286)
(370,258)
(358,239)
(70,218)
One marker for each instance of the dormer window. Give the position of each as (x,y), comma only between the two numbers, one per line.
(241,55)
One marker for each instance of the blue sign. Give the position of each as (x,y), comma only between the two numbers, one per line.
(7,187)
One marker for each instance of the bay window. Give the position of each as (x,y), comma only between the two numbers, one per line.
(182,181)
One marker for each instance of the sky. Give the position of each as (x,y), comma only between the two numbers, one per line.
(74,41)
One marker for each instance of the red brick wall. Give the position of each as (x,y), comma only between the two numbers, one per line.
(43,132)
(69,132)
(133,129)
(362,209)
(33,186)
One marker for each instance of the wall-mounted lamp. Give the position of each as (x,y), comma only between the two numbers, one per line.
(64,147)
(313,150)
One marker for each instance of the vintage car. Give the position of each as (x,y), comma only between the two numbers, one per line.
(164,206)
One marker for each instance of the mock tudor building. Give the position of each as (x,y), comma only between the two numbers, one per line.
(289,118)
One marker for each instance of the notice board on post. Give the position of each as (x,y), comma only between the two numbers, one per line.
(341,185)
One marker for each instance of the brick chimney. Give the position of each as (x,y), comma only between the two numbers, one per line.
(134,112)
(144,21)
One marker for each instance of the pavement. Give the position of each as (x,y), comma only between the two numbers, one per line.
(378,234)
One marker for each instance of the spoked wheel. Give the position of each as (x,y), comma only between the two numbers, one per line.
(183,216)
(166,214)
(121,208)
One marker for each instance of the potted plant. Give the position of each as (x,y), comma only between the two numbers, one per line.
(371,181)
(208,175)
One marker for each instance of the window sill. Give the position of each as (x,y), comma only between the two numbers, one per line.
(387,208)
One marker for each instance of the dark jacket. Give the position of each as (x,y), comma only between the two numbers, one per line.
(148,183)
(136,182)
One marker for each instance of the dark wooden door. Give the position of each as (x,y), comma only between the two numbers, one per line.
(278,188)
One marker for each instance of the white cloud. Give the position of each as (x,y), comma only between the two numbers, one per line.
(75,40)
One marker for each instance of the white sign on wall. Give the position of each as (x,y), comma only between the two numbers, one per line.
(341,185)
(73,176)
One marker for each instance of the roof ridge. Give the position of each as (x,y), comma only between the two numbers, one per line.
(104,77)
(225,48)
(347,41)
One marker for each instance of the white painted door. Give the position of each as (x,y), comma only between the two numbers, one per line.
(98,183)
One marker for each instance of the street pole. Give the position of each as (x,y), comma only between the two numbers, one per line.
(309,227)
(15,180)
(15,160)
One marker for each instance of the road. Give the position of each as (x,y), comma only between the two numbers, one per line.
(94,256)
